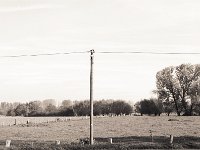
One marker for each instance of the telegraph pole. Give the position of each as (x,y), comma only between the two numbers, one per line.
(91,96)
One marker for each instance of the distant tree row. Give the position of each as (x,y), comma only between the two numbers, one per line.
(67,108)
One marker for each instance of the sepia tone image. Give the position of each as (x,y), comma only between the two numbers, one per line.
(99,74)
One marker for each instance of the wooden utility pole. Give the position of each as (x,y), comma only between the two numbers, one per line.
(91,96)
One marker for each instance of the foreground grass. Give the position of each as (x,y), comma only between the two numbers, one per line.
(123,143)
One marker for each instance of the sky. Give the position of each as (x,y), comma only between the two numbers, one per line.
(59,26)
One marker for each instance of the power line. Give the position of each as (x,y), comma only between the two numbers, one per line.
(103,52)
(42,54)
(154,53)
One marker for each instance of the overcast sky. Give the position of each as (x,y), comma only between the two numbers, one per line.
(50,26)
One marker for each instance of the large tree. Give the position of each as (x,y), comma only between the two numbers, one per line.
(177,84)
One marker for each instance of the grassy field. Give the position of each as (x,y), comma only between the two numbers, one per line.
(125,130)
(8,121)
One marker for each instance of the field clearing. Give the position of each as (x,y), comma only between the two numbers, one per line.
(104,127)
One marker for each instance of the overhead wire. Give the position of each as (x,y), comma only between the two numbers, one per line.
(41,54)
(102,52)
(143,52)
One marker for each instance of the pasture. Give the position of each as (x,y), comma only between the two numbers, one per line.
(123,129)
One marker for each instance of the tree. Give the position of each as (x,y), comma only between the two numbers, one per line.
(175,83)
(21,110)
(138,108)
(98,108)
(196,108)
(47,102)
(106,106)
(147,107)
(51,109)
(187,75)
(102,107)
(167,86)
(158,108)
(11,112)
(82,108)
(168,106)
(67,103)
(152,106)
(121,107)
(65,112)
(195,97)
(66,109)
(35,108)
(5,107)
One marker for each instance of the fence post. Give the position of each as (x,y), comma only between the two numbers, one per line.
(15,122)
(28,121)
(8,143)
(171,139)
(151,135)
(110,140)
(57,142)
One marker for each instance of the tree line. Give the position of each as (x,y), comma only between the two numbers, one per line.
(67,108)
(178,91)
